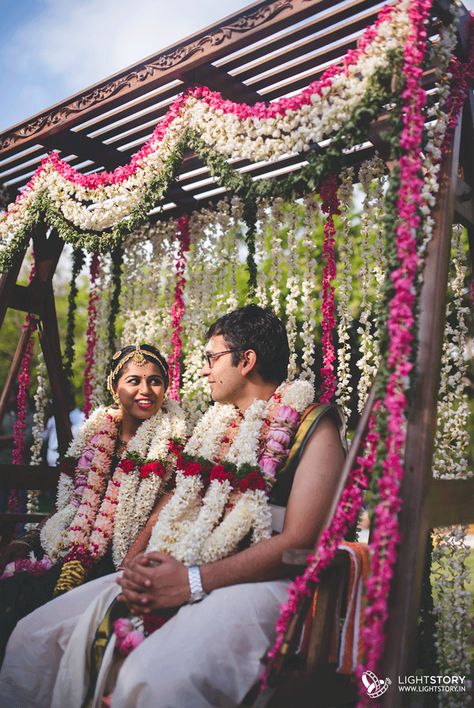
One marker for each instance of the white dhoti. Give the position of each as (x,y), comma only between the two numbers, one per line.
(37,645)
(208,655)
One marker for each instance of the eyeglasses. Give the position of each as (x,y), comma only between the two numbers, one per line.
(211,357)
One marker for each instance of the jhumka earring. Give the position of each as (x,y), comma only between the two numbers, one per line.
(116,398)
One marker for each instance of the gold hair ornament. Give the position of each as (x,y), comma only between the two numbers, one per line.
(138,358)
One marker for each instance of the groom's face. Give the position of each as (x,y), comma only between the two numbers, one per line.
(225,379)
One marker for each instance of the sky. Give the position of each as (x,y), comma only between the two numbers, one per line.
(50,49)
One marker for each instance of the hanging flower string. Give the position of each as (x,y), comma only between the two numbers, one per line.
(91,335)
(344,518)
(400,329)
(330,206)
(177,311)
(19,428)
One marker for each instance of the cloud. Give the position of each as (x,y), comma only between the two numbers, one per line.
(70,44)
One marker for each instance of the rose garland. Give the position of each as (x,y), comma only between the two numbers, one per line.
(91,334)
(112,508)
(177,312)
(329,206)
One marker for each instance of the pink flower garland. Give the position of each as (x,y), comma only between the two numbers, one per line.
(401,322)
(177,311)
(19,428)
(25,565)
(344,518)
(330,204)
(91,335)
(213,99)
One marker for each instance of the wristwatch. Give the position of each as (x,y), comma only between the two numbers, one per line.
(195,584)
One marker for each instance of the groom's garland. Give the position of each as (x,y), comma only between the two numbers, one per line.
(98,507)
(224,476)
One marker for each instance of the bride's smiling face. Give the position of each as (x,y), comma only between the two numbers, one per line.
(141,390)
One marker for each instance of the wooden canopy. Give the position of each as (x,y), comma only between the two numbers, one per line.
(270,49)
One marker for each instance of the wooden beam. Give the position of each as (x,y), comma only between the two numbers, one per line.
(25,298)
(450,502)
(40,477)
(219,80)
(400,646)
(70,142)
(8,282)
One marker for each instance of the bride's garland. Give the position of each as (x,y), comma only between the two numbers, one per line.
(228,468)
(98,508)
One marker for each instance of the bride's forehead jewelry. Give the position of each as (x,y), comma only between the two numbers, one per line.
(137,356)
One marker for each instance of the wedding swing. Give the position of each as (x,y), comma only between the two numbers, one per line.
(269,70)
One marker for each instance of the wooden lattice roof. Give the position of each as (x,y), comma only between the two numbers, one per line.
(270,49)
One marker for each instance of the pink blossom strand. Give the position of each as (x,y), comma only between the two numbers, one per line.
(401,323)
(177,311)
(330,206)
(91,334)
(19,427)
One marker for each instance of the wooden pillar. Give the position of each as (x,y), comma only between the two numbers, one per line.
(400,645)
(15,368)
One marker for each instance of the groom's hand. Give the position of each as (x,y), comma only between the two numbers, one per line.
(154,581)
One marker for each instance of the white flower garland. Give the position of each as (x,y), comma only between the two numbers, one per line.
(188,527)
(344,292)
(370,171)
(137,495)
(293,286)
(39,422)
(450,551)
(308,289)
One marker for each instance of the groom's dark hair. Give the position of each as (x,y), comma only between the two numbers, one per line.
(257,328)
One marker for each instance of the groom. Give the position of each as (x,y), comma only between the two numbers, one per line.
(209,653)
